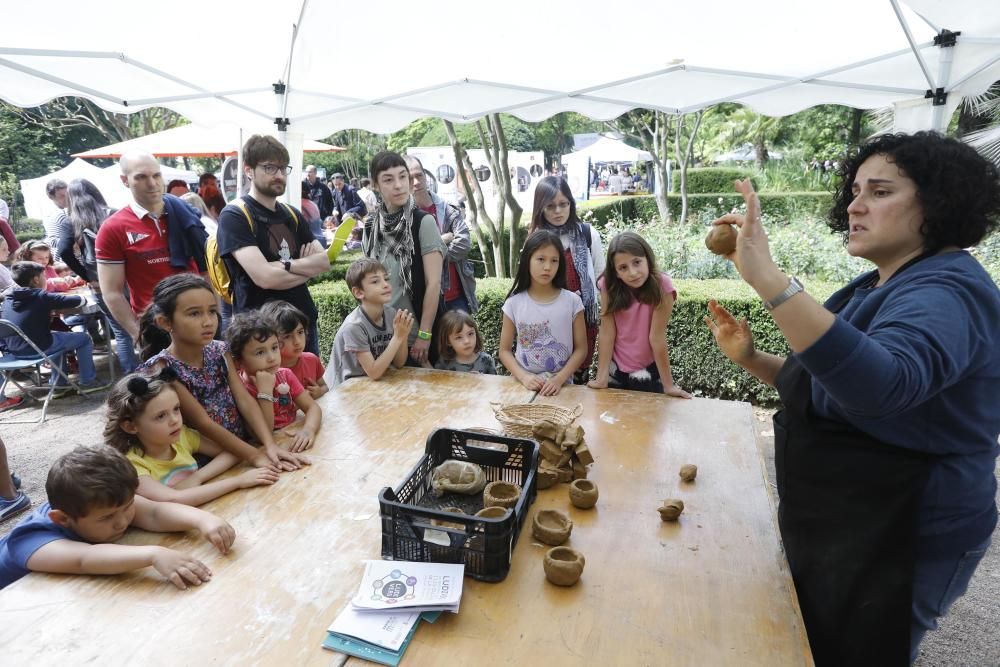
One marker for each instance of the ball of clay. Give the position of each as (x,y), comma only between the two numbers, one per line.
(583,493)
(688,472)
(501,494)
(563,566)
(455,476)
(492,512)
(671,509)
(721,239)
(551,527)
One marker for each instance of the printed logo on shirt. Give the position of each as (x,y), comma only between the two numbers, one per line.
(135,237)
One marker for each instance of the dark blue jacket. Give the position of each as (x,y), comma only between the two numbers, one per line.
(349,201)
(186,235)
(30,309)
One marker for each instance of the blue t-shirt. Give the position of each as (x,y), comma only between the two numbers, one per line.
(28,537)
(916,364)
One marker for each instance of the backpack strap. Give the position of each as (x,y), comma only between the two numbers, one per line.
(586,233)
(246,212)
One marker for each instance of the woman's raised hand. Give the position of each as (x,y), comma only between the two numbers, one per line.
(731,335)
(752,256)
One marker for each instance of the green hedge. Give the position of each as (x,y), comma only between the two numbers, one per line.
(338,270)
(712,179)
(780,205)
(698,366)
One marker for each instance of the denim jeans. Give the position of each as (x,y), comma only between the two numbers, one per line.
(461,303)
(312,340)
(936,585)
(73,342)
(124,346)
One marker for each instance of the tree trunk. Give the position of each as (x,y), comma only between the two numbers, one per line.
(855,135)
(476,205)
(684,154)
(760,150)
(507,193)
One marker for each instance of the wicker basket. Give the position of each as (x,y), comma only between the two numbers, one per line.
(518,418)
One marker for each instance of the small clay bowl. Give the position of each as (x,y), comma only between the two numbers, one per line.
(551,527)
(492,512)
(501,494)
(671,509)
(583,493)
(449,524)
(563,566)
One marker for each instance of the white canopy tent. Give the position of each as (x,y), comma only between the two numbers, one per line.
(776,56)
(108,180)
(606,149)
(192,141)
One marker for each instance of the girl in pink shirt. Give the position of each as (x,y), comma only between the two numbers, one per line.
(637,301)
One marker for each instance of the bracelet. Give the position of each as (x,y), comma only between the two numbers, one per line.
(424,335)
(266,397)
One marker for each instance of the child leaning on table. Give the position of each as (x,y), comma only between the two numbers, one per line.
(375,334)
(292,325)
(637,301)
(460,347)
(144,423)
(253,342)
(29,306)
(92,502)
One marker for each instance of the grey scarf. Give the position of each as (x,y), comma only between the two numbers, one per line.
(394,232)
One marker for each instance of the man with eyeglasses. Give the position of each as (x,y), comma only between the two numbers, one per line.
(268,247)
(155,236)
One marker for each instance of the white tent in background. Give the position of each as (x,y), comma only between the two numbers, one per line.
(192,141)
(606,149)
(38,205)
(775,56)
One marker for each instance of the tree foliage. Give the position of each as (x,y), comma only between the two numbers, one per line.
(75,112)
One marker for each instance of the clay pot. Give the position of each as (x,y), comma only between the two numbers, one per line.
(501,494)
(449,524)
(551,527)
(492,513)
(583,493)
(688,472)
(671,509)
(721,239)
(563,566)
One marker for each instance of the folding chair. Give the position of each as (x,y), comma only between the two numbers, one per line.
(9,364)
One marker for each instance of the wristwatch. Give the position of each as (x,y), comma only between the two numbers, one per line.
(288,265)
(794,287)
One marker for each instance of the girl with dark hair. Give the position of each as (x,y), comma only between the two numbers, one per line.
(545,318)
(144,423)
(555,211)
(407,243)
(886,447)
(637,301)
(178,332)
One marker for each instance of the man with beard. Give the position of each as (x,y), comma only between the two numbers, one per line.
(267,246)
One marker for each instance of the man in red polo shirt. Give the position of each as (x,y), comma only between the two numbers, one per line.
(132,245)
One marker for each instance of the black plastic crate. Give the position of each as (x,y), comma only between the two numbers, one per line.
(485,546)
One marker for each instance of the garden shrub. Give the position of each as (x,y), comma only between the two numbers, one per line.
(712,179)
(698,366)
(781,205)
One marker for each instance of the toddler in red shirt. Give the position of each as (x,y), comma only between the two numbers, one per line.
(291,325)
(253,343)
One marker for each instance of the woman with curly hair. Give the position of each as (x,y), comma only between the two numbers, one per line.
(886,447)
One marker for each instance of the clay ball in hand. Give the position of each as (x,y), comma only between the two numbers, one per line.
(721,239)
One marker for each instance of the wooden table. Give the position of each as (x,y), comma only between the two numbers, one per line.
(712,589)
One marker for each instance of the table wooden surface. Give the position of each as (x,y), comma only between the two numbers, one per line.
(711,589)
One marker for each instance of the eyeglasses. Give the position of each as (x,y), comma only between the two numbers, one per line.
(557,207)
(272,169)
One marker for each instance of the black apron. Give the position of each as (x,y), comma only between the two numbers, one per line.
(847,513)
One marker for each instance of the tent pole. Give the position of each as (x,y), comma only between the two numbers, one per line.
(939,122)
(913,45)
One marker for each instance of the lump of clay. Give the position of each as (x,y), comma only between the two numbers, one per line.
(721,239)
(563,566)
(501,494)
(551,527)
(546,477)
(457,477)
(546,429)
(688,472)
(573,436)
(671,509)
(492,513)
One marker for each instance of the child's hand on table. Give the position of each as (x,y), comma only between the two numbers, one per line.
(531,381)
(315,389)
(598,383)
(550,387)
(180,569)
(302,440)
(675,391)
(218,532)
(258,477)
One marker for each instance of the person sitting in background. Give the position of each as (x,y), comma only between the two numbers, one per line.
(12,500)
(5,229)
(41,253)
(214,201)
(177,187)
(91,502)
(29,307)
(354,243)
(312,214)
